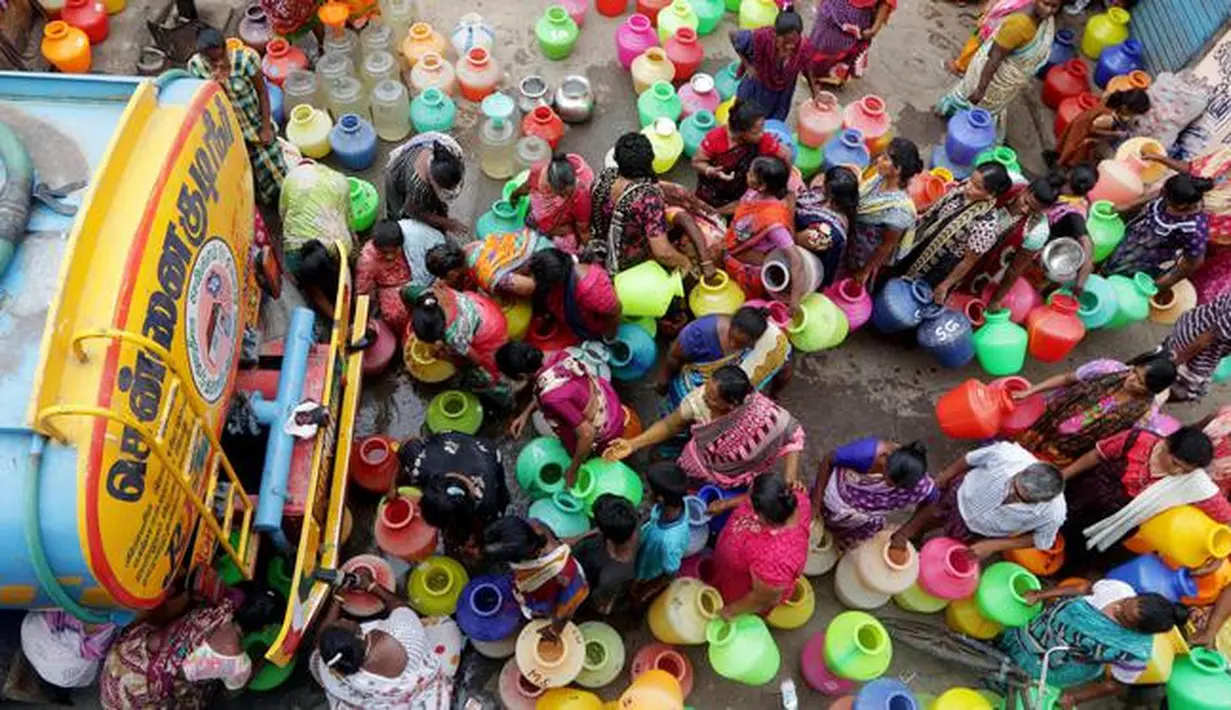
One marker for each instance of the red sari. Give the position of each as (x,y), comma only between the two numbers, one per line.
(759,223)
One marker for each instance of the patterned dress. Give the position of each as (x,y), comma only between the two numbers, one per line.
(1155,240)
(268,165)
(622,228)
(953,228)
(749,548)
(857,502)
(1193,377)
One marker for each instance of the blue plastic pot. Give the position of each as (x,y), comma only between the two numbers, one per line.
(969,133)
(846,148)
(885,694)
(633,353)
(946,335)
(940,159)
(782,132)
(899,305)
(1117,60)
(1149,574)
(711,493)
(353,140)
(1063,48)
(487,611)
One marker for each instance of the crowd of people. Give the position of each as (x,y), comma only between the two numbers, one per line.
(1099,461)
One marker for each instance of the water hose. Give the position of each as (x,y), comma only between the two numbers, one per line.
(34,541)
(15,194)
(170,75)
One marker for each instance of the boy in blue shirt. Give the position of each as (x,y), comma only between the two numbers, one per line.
(664,537)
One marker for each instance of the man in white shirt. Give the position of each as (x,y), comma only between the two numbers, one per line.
(996,498)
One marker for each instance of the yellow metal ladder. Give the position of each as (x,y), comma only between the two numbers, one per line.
(179,403)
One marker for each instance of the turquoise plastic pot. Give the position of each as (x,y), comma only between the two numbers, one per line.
(561,512)
(1199,681)
(270,676)
(541,466)
(598,476)
(501,218)
(1096,305)
(1223,372)
(743,650)
(633,353)
(1132,299)
(999,595)
(454,410)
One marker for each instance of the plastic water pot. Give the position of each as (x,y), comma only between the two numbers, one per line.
(882,568)
(1149,574)
(693,130)
(561,512)
(647,289)
(847,147)
(1184,535)
(1054,330)
(1132,152)
(1097,303)
(1025,412)
(401,531)
(604,655)
(633,353)
(818,324)
(454,410)
(432,110)
(797,609)
(1117,183)
(720,296)
(946,335)
(925,189)
(1132,298)
(1117,60)
(683,49)
(1169,304)
(918,601)
(541,465)
(947,570)
(972,410)
(1000,594)
(816,674)
(726,81)
(650,66)
(1209,586)
(1071,108)
(818,119)
(373,464)
(516,691)
(743,650)
(598,476)
(970,132)
(776,272)
(851,590)
(1199,681)
(556,32)
(487,610)
(899,305)
(655,689)
(633,37)
(500,218)
(807,160)
(550,663)
(699,94)
(435,586)
(698,524)
(353,141)
(822,552)
(1063,48)
(885,694)
(857,647)
(1104,30)
(357,602)
(1000,345)
(664,658)
(1020,300)
(1105,228)
(757,13)
(961,698)
(853,300)
(1065,80)
(1043,563)
(268,676)
(680,614)
(964,617)
(659,101)
(870,116)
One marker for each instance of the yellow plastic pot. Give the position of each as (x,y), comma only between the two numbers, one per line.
(960,699)
(963,617)
(918,601)
(720,296)
(435,585)
(655,689)
(1184,536)
(422,364)
(568,699)
(517,312)
(798,608)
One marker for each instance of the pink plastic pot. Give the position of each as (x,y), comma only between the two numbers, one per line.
(947,570)
(360,603)
(1118,183)
(699,566)
(816,674)
(1020,300)
(779,313)
(664,658)
(853,300)
(634,37)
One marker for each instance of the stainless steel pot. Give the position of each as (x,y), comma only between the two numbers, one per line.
(532,92)
(575,99)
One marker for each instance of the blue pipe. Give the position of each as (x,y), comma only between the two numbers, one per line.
(274,414)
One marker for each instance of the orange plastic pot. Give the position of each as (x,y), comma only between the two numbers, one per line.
(1209,586)
(1041,562)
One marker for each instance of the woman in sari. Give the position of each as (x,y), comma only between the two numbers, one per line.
(886,212)
(628,212)
(824,215)
(763,548)
(1006,63)
(1089,136)
(1167,239)
(1024,231)
(698,233)
(559,191)
(771,59)
(745,339)
(576,398)
(469,327)
(841,36)
(1214,275)
(957,231)
(1119,469)
(424,175)
(1099,399)
(737,433)
(762,223)
(400,661)
(581,296)
(172,665)
(989,22)
(726,154)
(860,484)
(1103,624)
(548,582)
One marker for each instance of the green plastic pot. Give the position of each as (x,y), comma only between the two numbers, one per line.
(1132,298)
(435,585)
(501,218)
(556,32)
(1199,681)
(1051,696)
(857,646)
(808,159)
(278,575)
(364,202)
(647,290)
(562,512)
(541,466)
(818,324)
(999,596)
(256,644)
(523,202)
(598,476)
(742,649)
(1000,345)
(1002,154)
(659,101)
(646,323)
(454,410)
(605,655)
(1105,228)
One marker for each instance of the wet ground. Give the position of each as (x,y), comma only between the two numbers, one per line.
(870,385)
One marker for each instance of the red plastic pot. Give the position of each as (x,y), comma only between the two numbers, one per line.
(544,123)
(1054,329)
(972,410)
(1065,80)
(374,463)
(89,16)
(685,52)
(1025,412)
(1070,108)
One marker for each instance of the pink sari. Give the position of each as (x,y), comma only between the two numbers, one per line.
(548,211)
(564,388)
(733,449)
